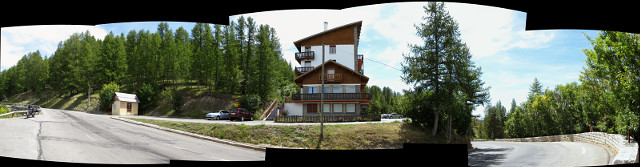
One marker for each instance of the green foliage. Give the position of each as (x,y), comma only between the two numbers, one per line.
(236,59)
(493,124)
(613,64)
(605,100)
(250,102)
(106,95)
(3,109)
(147,95)
(174,98)
(442,66)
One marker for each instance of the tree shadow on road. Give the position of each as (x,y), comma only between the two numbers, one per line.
(487,156)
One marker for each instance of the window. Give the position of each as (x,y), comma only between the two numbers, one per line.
(128,107)
(327,89)
(350,89)
(351,107)
(307,63)
(312,90)
(312,108)
(326,108)
(337,89)
(337,108)
(332,49)
(307,48)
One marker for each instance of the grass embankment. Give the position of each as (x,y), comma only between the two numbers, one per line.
(347,136)
(197,102)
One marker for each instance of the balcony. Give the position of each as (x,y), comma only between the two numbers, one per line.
(333,96)
(302,70)
(305,55)
(360,57)
(331,77)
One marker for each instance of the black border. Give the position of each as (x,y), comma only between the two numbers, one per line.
(541,15)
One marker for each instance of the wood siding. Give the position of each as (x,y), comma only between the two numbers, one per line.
(339,36)
(348,76)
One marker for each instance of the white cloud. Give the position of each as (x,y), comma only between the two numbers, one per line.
(490,30)
(292,25)
(18,41)
(10,53)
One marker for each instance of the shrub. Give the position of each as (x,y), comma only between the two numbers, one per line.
(250,102)
(106,95)
(146,94)
(174,98)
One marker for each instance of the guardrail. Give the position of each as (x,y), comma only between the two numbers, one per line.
(626,150)
(12,113)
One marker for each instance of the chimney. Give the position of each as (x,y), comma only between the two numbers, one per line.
(325,25)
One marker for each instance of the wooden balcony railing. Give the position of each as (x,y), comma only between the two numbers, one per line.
(332,96)
(332,77)
(305,55)
(302,70)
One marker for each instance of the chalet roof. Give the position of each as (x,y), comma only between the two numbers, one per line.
(126,97)
(357,23)
(319,67)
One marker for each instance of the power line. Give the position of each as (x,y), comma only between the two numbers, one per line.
(383,64)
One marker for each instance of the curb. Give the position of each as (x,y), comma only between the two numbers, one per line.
(244,145)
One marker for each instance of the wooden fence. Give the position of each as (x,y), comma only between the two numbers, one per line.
(327,118)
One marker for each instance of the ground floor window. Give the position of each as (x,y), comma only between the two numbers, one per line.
(326,108)
(350,107)
(337,107)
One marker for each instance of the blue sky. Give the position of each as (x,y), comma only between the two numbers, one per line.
(510,57)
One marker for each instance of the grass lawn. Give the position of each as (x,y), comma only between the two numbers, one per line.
(348,136)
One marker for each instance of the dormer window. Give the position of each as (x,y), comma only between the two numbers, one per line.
(332,49)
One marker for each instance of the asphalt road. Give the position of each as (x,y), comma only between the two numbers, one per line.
(491,153)
(70,136)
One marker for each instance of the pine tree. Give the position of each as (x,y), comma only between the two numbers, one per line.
(442,65)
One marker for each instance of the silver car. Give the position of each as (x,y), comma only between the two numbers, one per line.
(220,114)
(394,115)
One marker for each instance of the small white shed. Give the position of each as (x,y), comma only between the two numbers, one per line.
(124,104)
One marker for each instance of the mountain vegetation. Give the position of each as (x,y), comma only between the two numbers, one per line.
(241,58)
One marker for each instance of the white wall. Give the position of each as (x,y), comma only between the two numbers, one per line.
(344,55)
(293,108)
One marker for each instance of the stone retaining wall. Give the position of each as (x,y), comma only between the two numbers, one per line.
(624,152)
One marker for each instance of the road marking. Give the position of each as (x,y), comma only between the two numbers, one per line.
(90,137)
(178,147)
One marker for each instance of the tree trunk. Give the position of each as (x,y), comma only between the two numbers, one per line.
(435,123)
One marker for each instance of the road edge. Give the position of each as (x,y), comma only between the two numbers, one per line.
(243,145)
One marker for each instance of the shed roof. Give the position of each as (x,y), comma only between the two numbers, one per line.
(126,97)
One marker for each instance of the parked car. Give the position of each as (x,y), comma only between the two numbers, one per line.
(384,115)
(240,114)
(220,114)
(394,115)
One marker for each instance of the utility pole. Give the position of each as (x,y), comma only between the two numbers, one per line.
(89,96)
(321,100)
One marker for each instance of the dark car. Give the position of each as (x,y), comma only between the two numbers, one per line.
(240,114)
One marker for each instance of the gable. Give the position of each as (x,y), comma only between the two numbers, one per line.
(342,35)
(347,76)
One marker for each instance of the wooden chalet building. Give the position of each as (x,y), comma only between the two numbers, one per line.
(344,77)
